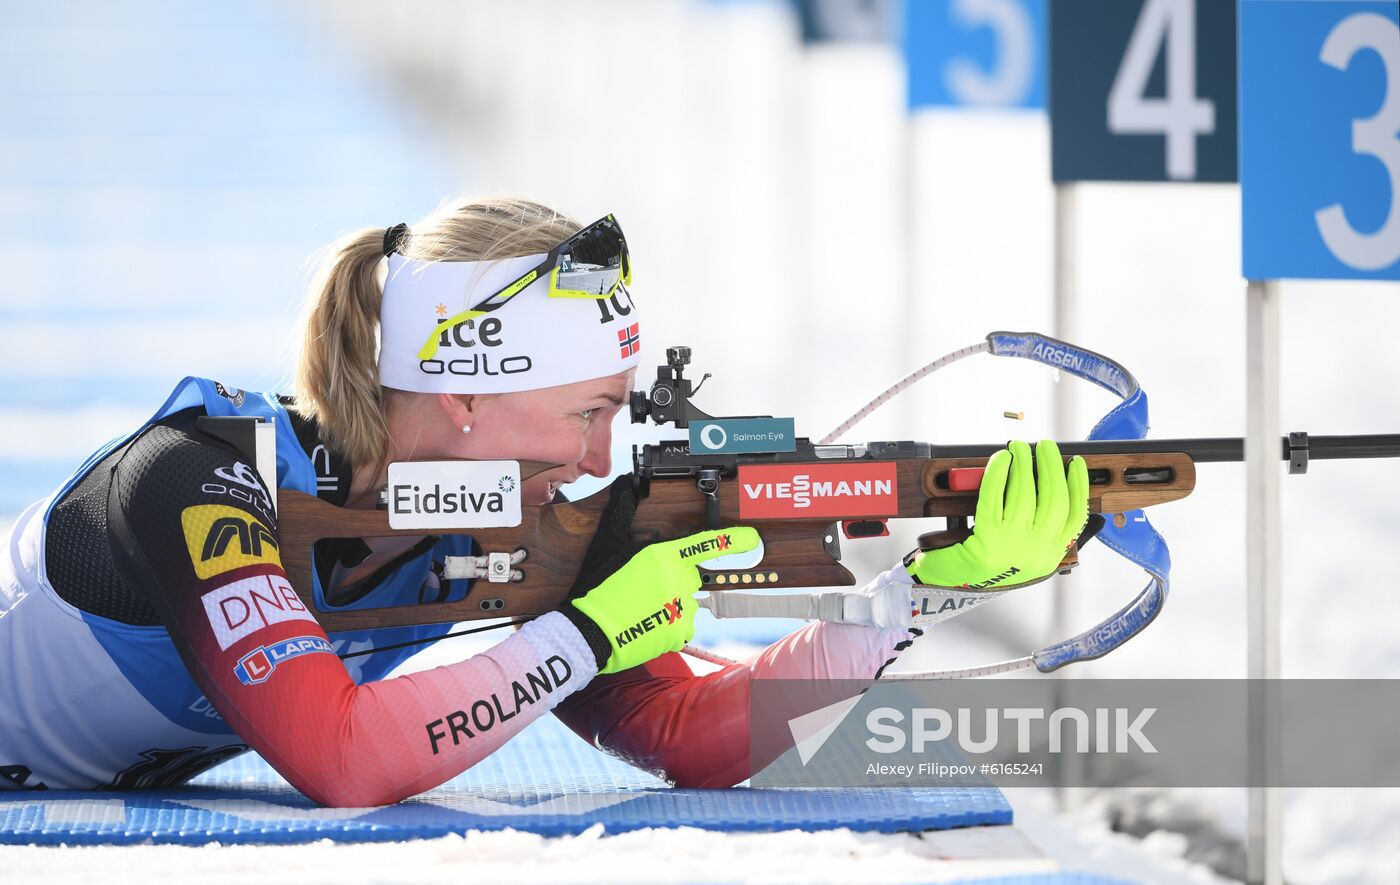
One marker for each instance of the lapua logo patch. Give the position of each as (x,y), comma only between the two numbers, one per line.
(258,664)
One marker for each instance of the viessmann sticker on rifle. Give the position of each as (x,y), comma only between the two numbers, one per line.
(454,494)
(818,490)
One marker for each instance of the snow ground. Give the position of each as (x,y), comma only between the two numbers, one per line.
(646,856)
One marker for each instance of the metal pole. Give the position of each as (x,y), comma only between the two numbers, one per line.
(910,293)
(1065,612)
(1264,834)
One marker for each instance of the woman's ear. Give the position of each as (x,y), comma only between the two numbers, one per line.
(462,409)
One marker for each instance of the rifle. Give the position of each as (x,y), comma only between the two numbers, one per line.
(806,501)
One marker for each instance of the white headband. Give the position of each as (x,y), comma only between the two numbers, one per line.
(530,341)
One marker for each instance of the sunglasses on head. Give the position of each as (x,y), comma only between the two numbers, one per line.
(592,263)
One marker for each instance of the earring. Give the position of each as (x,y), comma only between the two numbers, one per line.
(466,428)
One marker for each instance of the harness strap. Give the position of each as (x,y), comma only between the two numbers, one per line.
(1135,540)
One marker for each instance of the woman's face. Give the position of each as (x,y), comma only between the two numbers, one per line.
(569,425)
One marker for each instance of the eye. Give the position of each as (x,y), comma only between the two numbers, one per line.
(587,414)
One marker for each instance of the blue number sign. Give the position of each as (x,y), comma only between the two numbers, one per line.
(1320,138)
(1142,90)
(979,53)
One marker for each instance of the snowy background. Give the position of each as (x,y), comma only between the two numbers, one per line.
(170,169)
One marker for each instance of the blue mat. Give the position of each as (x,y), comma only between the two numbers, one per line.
(545,781)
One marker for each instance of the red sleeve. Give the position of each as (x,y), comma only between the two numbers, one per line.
(210,563)
(693,731)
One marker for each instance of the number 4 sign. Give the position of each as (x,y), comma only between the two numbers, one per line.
(1142,90)
(1320,138)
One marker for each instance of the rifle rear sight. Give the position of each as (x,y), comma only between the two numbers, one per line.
(668,401)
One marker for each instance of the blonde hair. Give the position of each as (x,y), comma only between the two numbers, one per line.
(337,372)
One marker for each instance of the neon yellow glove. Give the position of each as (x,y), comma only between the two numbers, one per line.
(1023,525)
(647,607)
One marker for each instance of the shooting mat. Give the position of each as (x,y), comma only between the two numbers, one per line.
(544,781)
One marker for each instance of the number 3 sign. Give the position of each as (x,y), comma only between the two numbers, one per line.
(1320,138)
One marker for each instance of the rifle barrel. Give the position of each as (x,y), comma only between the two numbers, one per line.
(1218,448)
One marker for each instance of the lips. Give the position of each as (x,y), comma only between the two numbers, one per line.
(552,486)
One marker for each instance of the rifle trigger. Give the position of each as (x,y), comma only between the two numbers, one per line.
(708,484)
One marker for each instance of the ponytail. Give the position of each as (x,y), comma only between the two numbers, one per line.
(337,375)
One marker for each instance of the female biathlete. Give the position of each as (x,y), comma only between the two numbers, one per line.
(148,632)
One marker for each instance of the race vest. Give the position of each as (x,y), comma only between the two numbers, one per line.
(86,701)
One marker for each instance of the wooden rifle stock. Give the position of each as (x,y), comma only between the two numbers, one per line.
(797,552)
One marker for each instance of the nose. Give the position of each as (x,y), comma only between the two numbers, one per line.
(597,454)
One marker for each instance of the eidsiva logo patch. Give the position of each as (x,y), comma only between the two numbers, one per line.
(258,664)
(454,494)
(222,538)
(818,490)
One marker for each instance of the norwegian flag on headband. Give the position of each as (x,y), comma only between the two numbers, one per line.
(629,340)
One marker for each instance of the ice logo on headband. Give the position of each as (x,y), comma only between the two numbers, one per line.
(488,331)
(483,331)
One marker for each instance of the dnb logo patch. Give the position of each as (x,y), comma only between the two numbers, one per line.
(258,664)
(222,538)
(241,608)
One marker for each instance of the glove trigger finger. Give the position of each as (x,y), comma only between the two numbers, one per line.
(1051,494)
(702,546)
(990,497)
(1020,489)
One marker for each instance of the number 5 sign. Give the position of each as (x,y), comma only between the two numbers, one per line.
(1142,90)
(975,53)
(1320,138)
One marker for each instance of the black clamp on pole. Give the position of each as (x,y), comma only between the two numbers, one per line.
(1297,452)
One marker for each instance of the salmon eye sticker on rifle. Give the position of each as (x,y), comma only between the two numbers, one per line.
(784,491)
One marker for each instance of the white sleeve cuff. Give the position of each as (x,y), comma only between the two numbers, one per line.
(553,634)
